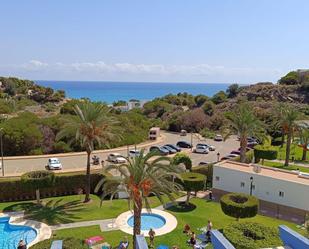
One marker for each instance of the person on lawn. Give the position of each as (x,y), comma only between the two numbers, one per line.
(186,229)
(151,237)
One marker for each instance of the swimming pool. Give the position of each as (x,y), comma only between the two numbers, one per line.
(148,221)
(10,235)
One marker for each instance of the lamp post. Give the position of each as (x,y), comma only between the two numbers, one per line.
(251,185)
(1,147)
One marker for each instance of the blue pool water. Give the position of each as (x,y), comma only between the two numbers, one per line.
(149,221)
(10,235)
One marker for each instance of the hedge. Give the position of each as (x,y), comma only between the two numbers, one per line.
(68,243)
(183,158)
(239,205)
(193,181)
(262,152)
(14,189)
(206,170)
(252,235)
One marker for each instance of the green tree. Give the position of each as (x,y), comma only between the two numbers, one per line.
(219,97)
(192,182)
(303,133)
(292,78)
(91,125)
(288,120)
(242,121)
(140,177)
(232,90)
(183,158)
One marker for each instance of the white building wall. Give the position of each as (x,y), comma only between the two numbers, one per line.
(265,188)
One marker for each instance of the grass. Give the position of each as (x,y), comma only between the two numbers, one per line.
(280,165)
(296,152)
(196,217)
(67,209)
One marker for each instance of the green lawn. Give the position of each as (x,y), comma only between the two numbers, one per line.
(68,209)
(296,152)
(196,218)
(281,166)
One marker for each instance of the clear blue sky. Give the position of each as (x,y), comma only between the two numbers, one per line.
(160,40)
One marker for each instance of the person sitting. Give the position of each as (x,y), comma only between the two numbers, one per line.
(124,244)
(209,227)
(186,229)
(192,240)
(22,245)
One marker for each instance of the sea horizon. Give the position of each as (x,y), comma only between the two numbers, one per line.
(111,91)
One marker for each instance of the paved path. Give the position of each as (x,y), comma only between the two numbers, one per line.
(105,225)
(306,165)
(15,166)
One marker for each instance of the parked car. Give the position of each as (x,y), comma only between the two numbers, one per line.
(230,156)
(134,153)
(235,152)
(201,149)
(203,164)
(116,158)
(218,138)
(247,149)
(183,133)
(171,150)
(184,144)
(210,147)
(54,163)
(159,150)
(173,147)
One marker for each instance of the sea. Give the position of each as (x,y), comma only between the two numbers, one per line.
(110,92)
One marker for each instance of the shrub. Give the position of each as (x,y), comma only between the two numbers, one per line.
(207,133)
(68,243)
(61,147)
(252,235)
(182,158)
(192,182)
(205,170)
(239,205)
(265,152)
(64,184)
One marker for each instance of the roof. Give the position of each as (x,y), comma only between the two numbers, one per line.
(266,171)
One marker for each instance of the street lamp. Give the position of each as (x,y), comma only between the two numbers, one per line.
(1,148)
(251,185)
(218,156)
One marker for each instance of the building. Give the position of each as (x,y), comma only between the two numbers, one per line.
(283,194)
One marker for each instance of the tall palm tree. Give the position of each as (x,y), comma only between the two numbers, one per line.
(288,122)
(244,122)
(303,133)
(140,177)
(90,126)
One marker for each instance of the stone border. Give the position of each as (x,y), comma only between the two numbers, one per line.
(170,222)
(43,231)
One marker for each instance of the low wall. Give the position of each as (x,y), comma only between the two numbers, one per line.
(219,241)
(292,239)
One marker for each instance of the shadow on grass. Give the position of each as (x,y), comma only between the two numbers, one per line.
(52,212)
(182,207)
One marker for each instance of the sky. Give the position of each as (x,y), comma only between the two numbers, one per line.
(227,41)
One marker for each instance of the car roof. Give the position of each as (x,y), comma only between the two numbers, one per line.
(53,158)
(115,154)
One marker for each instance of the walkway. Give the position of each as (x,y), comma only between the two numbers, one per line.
(306,165)
(105,225)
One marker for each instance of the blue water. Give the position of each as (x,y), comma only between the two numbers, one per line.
(10,235)
(113,91)
(153,221)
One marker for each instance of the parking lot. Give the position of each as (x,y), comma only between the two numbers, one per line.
(77,161)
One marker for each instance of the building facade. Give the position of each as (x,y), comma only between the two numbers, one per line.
(283,194)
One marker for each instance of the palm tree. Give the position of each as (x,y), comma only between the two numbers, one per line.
(141,176)
(90,126)
(303,132)
(288,118)
(244,123)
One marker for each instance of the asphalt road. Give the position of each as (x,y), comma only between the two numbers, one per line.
(74,162)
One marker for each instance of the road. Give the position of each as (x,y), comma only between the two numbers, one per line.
(76,161)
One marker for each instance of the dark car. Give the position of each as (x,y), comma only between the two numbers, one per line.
(184,144)
(173,147)
(203,164)
(159,150)
(235,152)
(171,150)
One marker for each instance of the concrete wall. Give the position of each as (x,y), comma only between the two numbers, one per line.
(219,241)
(266,188)
(293,239)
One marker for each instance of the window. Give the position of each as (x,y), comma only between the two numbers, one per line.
(217,178)
(242,184)
(281,193)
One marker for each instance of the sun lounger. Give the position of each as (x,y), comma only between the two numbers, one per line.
(57,244)
(93,240)
(162,247)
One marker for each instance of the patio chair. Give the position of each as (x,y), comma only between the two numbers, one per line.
(120,245)
(57,244)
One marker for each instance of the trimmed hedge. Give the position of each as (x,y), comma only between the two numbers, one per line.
(183,158)
(239,205)
(193,181)
(205,170)
(265,152)
(38,179)
(252,235)
(68,243)
(14,189)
